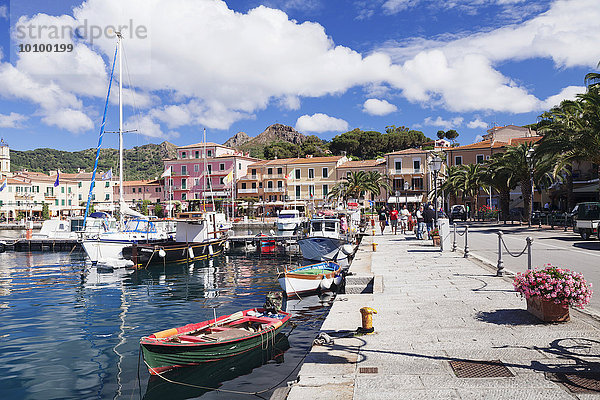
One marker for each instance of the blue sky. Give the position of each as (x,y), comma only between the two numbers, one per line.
(324,67)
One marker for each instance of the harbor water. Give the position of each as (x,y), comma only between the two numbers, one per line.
(70,331)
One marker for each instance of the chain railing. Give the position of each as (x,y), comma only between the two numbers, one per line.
(502,243)
(465,233)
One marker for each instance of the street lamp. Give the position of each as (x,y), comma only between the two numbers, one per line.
(529,158)
(406,186)
(435,164)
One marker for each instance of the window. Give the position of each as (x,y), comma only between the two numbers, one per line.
(297,173)
(196,167)
(196,196)
(269,171)
(253,173)
(297,192)
(417,183)
(209,168)
(259,184)
(253,185)
(222,180)
(279,171)
(417,165)
(208,182)
(311,191)
(56,202)
(270,184)
(183,170)
(398,184)
(184,183)
(183,196)
(325,172)
(458,160)
(157,190)
(183,154)
(140,190)
(106,197)
(398,165)
(107,184)
(69,189)
(280,184)
(208,153)
(311,173)
(222,167)
(62,202)
(80,197)
(325,190)
(170,181)
(196,154)
(479,159)
(239,166)
(79,184)
(62,190)
(132,190)
(196,181)
(243,185)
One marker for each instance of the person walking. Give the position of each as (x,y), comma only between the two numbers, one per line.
(404,214)
(383,219)
(429,217)
(420,223)
(394,220)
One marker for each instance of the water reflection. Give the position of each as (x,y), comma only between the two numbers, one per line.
(70,331)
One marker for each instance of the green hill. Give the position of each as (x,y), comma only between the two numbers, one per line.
(142,162)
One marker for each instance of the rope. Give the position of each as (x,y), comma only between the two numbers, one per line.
(511,254)
(461,234)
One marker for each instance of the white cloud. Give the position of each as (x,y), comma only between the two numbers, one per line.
(319,123)
(69,119)
(12,120)
(477,124)
(478,138)
(466,6)
(442,123)
(567,93)
(378,107)
(4,12)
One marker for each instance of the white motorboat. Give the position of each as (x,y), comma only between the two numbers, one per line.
(326,242)
(311,278)
(288,220)
(72,228)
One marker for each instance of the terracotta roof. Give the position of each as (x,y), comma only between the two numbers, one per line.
(409,151)
(208,144)
(484,144)
(141,182)
(362,164)
(258,163)
(517,141)
(312,160)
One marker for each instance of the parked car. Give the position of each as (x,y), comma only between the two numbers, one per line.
(458,211)
(588,219)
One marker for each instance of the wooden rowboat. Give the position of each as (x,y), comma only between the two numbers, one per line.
(211,340)
(311,278)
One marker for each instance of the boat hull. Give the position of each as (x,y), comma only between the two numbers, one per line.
(309,280)
(162,355)
(143,255)
(320,248)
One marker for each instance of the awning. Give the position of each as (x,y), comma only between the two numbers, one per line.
(593,188)
(405,199)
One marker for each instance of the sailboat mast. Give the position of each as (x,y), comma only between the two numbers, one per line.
(121,201)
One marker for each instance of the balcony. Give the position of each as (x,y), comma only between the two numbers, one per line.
(273,176)
(255,190)
(275,190)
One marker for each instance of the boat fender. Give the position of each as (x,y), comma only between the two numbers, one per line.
(322,339)
(347,249)
(191,252)
(162,253)
(210,249)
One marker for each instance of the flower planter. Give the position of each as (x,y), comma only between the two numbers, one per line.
(548,311)
(436,240)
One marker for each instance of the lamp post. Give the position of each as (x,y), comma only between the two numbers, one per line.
(529,158)
(397,193)
(435,164)
(406,186)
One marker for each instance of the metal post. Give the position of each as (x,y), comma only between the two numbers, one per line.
(466,241)
(500,266)
(529,242)
(454,238)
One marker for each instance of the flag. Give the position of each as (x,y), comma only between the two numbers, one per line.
(288,176)
(3,185)
(107,175)
(167,172)
(56,182)
(229,178)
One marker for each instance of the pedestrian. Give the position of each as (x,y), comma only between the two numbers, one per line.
(383,219)
(429,217)
(394,220)
(404,214)
(420,223)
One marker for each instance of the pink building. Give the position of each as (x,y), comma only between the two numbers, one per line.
(196,177)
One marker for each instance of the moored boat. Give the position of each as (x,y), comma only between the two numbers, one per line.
(311,278)
(326,242)
(211,340)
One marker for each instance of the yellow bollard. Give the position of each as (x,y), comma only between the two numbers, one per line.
(373,232)
(374,246)
(367,320)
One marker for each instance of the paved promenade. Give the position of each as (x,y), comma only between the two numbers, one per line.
(434,308)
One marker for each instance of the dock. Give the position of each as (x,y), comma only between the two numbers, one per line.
(23,244)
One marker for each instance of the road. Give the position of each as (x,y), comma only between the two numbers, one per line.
(556,247)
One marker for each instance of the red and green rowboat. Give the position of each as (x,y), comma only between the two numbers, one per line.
(211,340)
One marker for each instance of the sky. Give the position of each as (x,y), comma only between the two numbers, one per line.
(324,67)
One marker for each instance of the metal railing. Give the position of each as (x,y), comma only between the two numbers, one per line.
(502,243)
(465,233)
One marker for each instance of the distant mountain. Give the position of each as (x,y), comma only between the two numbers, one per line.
(275,133)
(141,162)
(237,140)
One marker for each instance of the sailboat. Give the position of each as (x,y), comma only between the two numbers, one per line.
(106,248)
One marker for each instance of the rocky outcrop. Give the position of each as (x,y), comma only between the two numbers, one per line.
(237,140)
(279,133)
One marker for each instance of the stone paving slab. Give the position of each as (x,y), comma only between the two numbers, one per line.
(436,307)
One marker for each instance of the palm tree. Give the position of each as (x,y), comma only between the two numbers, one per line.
(496,176)
(375,181)
(468,181)
(450,187)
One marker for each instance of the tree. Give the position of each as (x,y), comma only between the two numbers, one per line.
(144,206)
(45,211)
(441,134)
(158,210)
(497,176)
(451,135)
(468,180)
